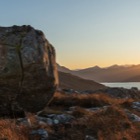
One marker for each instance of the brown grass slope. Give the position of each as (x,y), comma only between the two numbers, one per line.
(69,81)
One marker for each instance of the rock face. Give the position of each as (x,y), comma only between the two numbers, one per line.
(28,72)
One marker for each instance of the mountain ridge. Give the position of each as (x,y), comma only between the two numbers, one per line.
(113,73)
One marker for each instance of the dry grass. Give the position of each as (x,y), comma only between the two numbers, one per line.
(87,100)
(106,124)
(10,131)
(109,123)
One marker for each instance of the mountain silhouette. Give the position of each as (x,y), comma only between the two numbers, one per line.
(114,73)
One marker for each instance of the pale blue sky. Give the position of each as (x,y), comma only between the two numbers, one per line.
(84,32)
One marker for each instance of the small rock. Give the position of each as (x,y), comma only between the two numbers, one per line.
(49,121)
(23,121)
(64,118)
(42,123)
(89,137)
(133,117)
(51,115)
(136,105)
(41,132)
(56,121)
(97,108)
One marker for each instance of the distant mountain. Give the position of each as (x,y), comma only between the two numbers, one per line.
(114,73)
(69,81)
(63,69)
(95,68)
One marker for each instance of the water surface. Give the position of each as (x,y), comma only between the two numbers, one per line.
(127,85)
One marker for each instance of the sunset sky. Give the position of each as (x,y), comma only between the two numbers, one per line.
(84,33)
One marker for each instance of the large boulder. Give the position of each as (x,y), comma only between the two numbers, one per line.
(28,72)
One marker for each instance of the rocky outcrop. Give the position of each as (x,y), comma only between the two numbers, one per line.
(28,73)
(118,92)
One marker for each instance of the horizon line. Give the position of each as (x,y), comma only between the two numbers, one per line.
(113,65)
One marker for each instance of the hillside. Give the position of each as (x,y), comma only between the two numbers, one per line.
(133,79)
(69,81)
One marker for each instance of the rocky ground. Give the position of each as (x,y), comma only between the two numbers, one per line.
(78,116)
